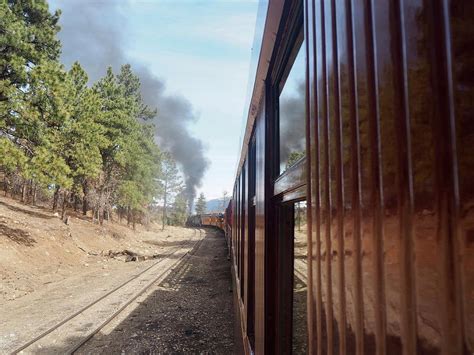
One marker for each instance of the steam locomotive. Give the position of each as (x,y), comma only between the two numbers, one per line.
(207,220)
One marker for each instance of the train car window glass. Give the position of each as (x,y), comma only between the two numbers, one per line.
(300,280)
(237,246)
(251,243)
(292,109)
(242,235)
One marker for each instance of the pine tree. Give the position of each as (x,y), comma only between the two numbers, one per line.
(83,135)
(31,83)
(131,84)
(140,156)
(293,158)
(44,114)
(179,210)
(170,181)
(201,204)
(59,135)
(117,126)
(28,39)
(12,160)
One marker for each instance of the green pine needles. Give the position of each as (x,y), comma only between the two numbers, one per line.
(69,143)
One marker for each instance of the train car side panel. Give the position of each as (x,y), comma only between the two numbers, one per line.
(388,179)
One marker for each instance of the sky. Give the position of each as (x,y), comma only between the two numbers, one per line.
(199,51)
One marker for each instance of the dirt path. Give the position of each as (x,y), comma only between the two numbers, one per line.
(28,316)
(188,312)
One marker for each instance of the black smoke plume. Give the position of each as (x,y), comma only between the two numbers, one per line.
(94,33)
(292,123)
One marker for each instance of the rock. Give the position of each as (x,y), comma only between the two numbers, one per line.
(56,214)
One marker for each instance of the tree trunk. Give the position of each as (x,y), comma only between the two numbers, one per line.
(147,218)
(30,191)
(85,190)
(76,202)
(133,219)
(128,216)
(63,209)
(100,209)
(164,205)
(23,192)
(5,184)
(56,198)
(84,205)
(34,195)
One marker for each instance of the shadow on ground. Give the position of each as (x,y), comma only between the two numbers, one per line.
(27,211)
(164,243)
(190,311)
(17,235)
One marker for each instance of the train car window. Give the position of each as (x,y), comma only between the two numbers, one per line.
(242,233)
(251,243)
(292,108)
(300,280)
(235,229)
(239,226)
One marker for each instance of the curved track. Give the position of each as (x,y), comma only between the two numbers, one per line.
(192,245)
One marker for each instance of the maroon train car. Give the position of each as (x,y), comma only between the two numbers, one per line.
(353,204)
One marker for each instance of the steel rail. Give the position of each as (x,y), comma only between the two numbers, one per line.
(81,343)
(89,305)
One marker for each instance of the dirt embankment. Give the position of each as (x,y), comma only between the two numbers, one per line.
(37,248)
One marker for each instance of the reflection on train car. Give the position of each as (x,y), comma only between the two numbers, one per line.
(360,119)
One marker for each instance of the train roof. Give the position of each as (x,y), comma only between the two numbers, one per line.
(266,27)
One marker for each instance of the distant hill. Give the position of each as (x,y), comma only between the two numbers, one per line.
(214,205)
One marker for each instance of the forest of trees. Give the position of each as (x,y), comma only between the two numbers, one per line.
(70,144)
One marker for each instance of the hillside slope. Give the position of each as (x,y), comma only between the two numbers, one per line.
(37,248)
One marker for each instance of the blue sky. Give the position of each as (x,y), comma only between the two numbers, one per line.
(202,51)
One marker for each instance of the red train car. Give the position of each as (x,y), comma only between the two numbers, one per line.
(353,218)
(228,223)
(211,220)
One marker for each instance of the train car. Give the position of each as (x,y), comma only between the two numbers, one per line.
(207,220)
(353,218)
(228,222)
(194,221)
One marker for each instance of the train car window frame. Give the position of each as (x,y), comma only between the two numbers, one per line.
(251,205)
(243,226)
(289,186)
(291,43)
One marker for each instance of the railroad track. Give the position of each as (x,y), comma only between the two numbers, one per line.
(301,270)
(139,278)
